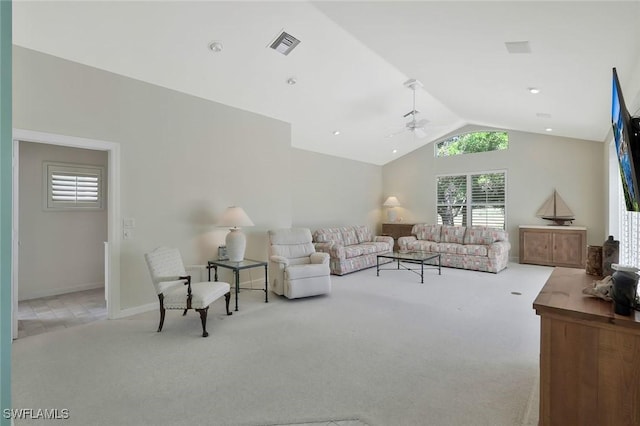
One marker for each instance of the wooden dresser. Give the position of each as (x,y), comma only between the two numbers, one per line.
(589,356)
(553,245)
(396,230)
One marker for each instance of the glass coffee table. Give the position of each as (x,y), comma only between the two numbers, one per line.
(422,258)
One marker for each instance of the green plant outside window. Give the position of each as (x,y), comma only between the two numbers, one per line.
(468,143)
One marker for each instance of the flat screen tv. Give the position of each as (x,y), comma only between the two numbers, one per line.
(626,131)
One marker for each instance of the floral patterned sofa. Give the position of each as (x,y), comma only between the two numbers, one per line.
(474,247)
(351,248)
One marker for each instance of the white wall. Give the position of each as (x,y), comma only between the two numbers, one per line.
(60,251)
(332,191)
(185,159)
(535,165)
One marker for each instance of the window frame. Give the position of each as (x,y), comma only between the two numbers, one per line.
(435,145)
(51,167)
(468,205)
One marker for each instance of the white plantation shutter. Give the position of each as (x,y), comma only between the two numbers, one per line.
(488,199)
(629,233)
(480,199)
(71,186)
(452,190)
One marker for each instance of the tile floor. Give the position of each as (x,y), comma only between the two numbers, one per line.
(46,314)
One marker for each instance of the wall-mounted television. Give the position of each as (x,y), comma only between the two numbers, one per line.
(626,132)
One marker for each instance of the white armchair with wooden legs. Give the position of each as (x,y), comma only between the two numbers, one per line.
(175,289)
(295,269)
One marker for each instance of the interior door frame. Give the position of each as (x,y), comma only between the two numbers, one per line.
(112,276)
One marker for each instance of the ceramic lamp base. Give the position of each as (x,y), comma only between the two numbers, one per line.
(392,215)
(236,243)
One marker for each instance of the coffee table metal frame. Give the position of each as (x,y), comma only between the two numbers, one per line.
(411,257)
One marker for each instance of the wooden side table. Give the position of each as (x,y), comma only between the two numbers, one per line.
(397,230)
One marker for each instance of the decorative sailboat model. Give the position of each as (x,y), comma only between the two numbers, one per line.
(556,210)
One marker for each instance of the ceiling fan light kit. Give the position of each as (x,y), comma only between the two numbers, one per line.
(415,126)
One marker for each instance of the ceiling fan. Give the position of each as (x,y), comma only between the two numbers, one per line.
(415,126)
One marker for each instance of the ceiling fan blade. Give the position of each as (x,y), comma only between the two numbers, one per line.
(419,132)
(390,135)
(421,123)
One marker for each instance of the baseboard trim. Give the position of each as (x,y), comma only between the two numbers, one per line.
(124,313)
(48,292)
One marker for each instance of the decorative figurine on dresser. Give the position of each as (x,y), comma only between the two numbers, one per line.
(610,255)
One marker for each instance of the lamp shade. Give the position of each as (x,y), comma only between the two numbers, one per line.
(392,202)
(235,217)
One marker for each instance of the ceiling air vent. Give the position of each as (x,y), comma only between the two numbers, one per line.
(284,43)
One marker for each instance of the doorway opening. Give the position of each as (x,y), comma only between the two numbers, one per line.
(111,246)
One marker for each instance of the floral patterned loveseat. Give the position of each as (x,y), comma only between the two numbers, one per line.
(474,247)
(351,248)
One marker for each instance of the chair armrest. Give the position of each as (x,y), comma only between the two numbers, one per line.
(335,249)
(403,242)
(319,258)
(283,261)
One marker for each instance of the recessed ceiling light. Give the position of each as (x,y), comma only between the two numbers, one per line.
(533,90)
(291,81)
(394,151)
(216,46)
(336,132)
(548,129)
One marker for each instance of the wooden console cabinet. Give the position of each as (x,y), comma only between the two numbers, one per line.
(589,356)
(553,245)
(396,230)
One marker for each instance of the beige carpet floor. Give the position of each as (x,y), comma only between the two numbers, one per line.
(460,349)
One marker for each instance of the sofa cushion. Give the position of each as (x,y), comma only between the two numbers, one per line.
(483,235)
(473,249)
(422,245)
(353,250)
(295,272)
(349,236)
(427,232)
(328,235)
(453,234)
(363,233)
(448,248)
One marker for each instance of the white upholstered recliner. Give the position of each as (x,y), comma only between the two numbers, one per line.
(295,269)
(175,289)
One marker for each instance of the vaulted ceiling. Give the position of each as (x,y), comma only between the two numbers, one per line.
(354,57)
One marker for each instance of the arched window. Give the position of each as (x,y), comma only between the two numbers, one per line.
(472,142)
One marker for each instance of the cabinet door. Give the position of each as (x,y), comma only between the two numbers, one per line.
(535,247)
(568,249)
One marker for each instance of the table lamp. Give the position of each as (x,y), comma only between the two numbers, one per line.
(391,202)
(234,218)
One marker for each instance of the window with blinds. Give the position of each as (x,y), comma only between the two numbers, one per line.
(472,199)
(71,186)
